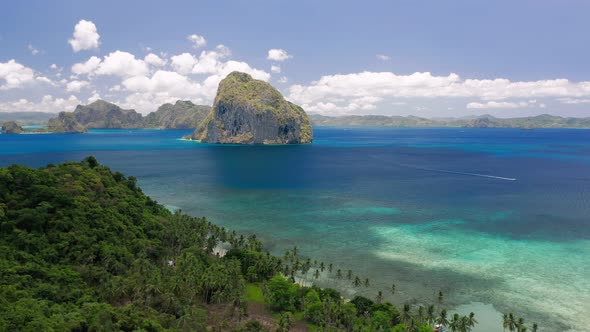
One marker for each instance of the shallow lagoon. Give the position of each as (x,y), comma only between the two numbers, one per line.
(395,205)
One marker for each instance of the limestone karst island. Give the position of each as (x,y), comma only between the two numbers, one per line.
(249,111)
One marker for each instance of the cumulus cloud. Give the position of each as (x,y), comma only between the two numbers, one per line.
(383,57)
(275,69)
(47,104)
(340,90)
(277,54)
(283,79)
(76,86)
(85,36)
(196,40)
(154,60)
(87,67)
(14,75)
(183,63)
(163,82)
(122,64)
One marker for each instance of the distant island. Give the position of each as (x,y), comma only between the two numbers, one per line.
(483,121)
(249,111)
(11,127)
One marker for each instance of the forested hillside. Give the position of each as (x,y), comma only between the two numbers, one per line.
(83,249)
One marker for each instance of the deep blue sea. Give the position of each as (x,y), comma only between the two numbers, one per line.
(500,217)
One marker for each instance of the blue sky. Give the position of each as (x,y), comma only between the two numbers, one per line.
(428,58)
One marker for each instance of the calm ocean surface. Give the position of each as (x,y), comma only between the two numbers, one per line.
(496,216)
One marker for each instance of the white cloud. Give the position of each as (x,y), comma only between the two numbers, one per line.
(122,64)
(164,82)
(87,67)
(573,101)
(45,80)
(94,97)
(76,86)
(275,69)
(53,66)
(340,90)
(183,63)
(283,79)
(501,104)
(154,60)
(210,62)
(383,57)
(277,54)
(198,41)
(47,104)
(85,36)
(33,50)
(14,75)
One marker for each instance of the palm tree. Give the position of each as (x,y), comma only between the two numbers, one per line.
(339,274)
(357,281)
(505,322)
(472,321)
(392,289)
(430,314)
(464,324)
(421,314)
(512,323)
(330,267)
(455,323)
(406,315)
(442,318)
(440,297)
(316,274)
(295,251)
(366,282)
(520,327)
(349,274)
(535,327)
(379,298)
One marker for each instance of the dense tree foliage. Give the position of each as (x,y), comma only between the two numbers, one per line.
(82,248)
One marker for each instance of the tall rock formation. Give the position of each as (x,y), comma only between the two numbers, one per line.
(181,115)
(11,127)
(102,114)
(64,123)
(249,111)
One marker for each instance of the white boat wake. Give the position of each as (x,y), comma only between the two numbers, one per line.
(460,173)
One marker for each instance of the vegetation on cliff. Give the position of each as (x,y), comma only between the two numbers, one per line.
(65,122)
(11,127)
(181,115)
(102,114)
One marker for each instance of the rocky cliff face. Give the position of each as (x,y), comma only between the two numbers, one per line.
(11,127)
(65,123)
(102,114)
(181,115)
(249,111)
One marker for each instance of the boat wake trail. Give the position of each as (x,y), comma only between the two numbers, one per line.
(459,173)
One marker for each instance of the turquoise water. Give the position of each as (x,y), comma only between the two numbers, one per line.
(491,216)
